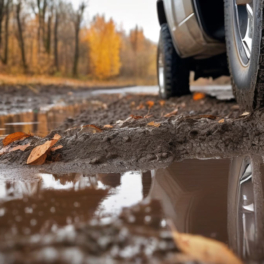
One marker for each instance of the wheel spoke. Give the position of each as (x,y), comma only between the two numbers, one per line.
(247,40)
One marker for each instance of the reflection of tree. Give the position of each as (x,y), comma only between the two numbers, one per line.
(110,179)
(146,183)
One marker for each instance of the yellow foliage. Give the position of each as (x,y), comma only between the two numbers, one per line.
(104,48)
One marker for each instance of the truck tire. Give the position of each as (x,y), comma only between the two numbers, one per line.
(172,71)
(245,207)
(245,50)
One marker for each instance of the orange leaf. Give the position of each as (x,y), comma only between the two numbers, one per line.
(154,124)
(20,147)
(162,103)
(150,104)
(108,126)
(39,154)
(56,148)
(203,249)
(173,113)
(40,161)
(141,106)
(198,96)
(136,117)
(14,137)
(95,128)
(221,121)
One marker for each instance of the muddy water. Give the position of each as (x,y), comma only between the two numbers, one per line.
(39,122)
(219,199)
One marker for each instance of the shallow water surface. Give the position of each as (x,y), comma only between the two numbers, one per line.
(219,199)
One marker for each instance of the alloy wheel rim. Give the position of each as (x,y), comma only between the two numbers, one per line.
(244,22)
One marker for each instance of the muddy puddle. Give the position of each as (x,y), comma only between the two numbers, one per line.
(41,214)
(40,122)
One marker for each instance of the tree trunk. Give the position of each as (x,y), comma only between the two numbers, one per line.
(5,58)
(77,32)
(76,53)
(2,12)
(48,34)
(56,57)
(20,36)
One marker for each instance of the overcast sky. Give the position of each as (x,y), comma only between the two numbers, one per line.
(129,13)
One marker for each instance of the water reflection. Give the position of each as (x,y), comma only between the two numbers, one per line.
(38,122)
(220,199)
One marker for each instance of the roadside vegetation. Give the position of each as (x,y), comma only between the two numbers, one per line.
(51,38)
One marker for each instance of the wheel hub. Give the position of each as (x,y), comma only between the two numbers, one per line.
(244,22)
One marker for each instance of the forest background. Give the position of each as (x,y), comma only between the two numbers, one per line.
(50,39)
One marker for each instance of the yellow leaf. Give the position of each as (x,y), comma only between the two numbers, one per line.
(154,124)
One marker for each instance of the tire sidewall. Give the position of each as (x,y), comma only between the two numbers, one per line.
(244,76)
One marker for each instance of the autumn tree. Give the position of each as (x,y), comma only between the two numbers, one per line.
(78,17)
(104,48)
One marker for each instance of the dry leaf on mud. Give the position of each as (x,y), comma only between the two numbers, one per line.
(245,114)
(4,150)
(141,106)
(94,128)
(20,147)
(221,121)
(56,148)
(39,154)
(148,116)
(136,117)
(198,96)
(173,113)
(154,124)
(235,107)
(14,137)
(203,249)
(150,104)
(162,103)
(108,126)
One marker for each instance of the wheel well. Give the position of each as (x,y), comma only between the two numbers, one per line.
(161,12)
(211,16)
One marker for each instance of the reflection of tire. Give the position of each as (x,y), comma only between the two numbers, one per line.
(245,208)
(173,72)
(245,51)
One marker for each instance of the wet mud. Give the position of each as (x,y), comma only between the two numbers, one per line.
(106,196)
(200,129)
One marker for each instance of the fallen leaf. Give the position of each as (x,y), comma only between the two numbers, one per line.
(154,124)
(150,104)
(20,147)
(14,137)
(4,150)
(141,106)
(162,103)
(108,126)
(39,154)
(56,148)
(221,121)
(94,128)
(203,249)
(173,113)
(132,104)
(148,116)
(198,96)
(245,114)
(136,117)
(40,161)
